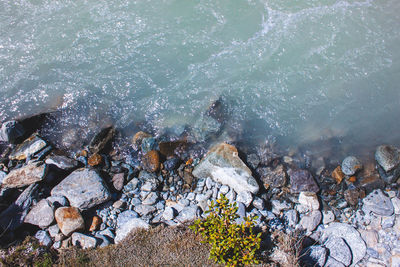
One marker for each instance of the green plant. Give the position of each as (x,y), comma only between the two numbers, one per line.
(231,243)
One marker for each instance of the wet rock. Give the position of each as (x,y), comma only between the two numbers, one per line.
(388,157)
(224,166)
(124,229)
(95,223)
(83,188)
(118,181)
(69,220)
(11,132)
(309,200)
(26,175)
(95,160)
(337,174)
(378,203)
(42,214)
(274,178)
(14,215)
(351,165)
(353,195)
(338,250)
(314,256)
(62,162)
(149,144)
(302,180)
(350,235)
(138,137)
(311,220)
(171,164)
(44,238)
(151,161)
(245,197)
(100,141)
(205,127)
(29,147)
(83,241)
(169,213)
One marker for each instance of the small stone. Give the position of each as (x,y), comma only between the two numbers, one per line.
(370,237)
(53,230)
(396,205)
(42,214)
(44,238)
(327,216)
(353,195)
(387,221)
(171,164)
(395,260)
(95,160)
(148,144)
(378,203)
(83,241)
(95,224)
(224,189)
(311,220)
(151,161)
(351,165)
(258,203)
(187,214)
(387,157)
(277,206)
(125,217)
(144,210)
(314,256)
(151,199)
(245,197)
(58,201)
(302,180)
(169,213)
(253,160)
(338,250)
(291,217)
(337,174)
(100,141)
(309,199)
(69,220)
(26,175)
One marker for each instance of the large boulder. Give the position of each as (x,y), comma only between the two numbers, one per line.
(42,214)
(26,175)
(69,220)
(84,189)
(224,166)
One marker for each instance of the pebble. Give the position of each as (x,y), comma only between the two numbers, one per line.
(338,250)
(44,238)
(291,217)
(224,189)
(258,203)
(351,165)
(169,213)
(327,216)
(278,206)
(311,220)
(245,197)
(309,199)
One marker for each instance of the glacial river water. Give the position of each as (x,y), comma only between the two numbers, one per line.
(297,70)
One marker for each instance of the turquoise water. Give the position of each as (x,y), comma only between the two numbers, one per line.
(300,70)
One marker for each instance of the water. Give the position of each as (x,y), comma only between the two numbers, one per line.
(300,71)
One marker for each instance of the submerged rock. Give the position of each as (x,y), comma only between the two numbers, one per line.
(83,188)
(11,131)
(302,180)
(100,141)
(42,214)
(29,147)
(151,161)
(224,166)
(69,220)
(138,138)
(28,174)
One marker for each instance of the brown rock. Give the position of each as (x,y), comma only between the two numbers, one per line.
(95,160)
(274,178)
(151,161)
(167,149)
(338,175)
(24,176)
(353,195)
(352,179)
(118,181)
(69,220)
(369,183)
(95,224)
(138,137)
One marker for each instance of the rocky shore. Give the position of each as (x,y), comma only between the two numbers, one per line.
(346,214)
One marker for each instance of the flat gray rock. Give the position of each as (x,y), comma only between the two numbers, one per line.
(245,197)
(378,203)
(24,176)
(125,217)
(83,188)
(188,213)
(338,249)
(42,214)
(224,166)
(62,162)
(83,241)
(314,256)
(311,220)
(350,235)
(127,227)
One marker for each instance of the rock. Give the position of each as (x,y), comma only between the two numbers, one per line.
(245,197)
(14,215)
(302,180)
(313,256)
(144,210)
(11,132)
(378,203)
(62,162)
(151,161)
(119,204)
(311,220)
(95,160)
(231,195)
(95,224)
(258,203)
(149,144)
(396,205)
(151,199)
(224,166)
(351,165)
(350,235)
(291,217)
(83,188)
(125,217)
(69,220)
(188,213)
(58,201)
(83,241)
(118,181)
(388,157)
(395,260)
(29,147)
(26,175)
(2,176)
(370,237)
(138,137)
(338,250)
(353,195)
(44,238)
(124,229)
(337,174)
(253,160)
(327,216)
(169,213)
(372,182)
(205,127)
(331,262)
(53,230)
(171,164)
(274,178)
(387,222)
(100,141)
(42,214)
(309,200)
(277,206)
(224,189)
